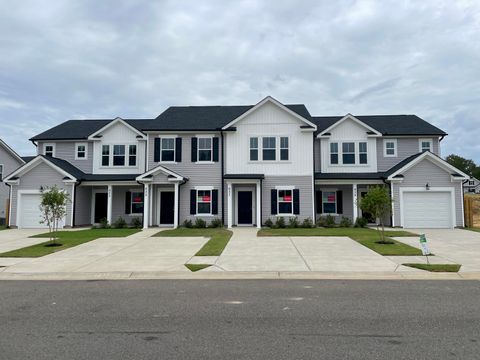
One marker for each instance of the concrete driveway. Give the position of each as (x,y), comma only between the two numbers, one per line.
(12,239)
(456,245)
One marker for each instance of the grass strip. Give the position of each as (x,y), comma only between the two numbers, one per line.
(435,267)
(196,267)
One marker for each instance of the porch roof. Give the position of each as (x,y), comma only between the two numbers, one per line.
(244,176)
(349,176)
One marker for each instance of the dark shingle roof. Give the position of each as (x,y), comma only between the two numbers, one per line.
(386,124)
(402,164)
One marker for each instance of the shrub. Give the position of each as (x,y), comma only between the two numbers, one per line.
(269,223)
(307,223)
(188,224)
(293,222)
(104,223)
(321,221)
(361,222)
(136,223)
(120,223)
(329,221)
(280,223)
(345,222)
(216,223)
(200,223)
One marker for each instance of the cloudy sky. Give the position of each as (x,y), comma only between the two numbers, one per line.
(63,60)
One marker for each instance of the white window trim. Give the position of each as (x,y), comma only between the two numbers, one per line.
(250,149)
(127,155)
(198,149)
(277,149)
(110,156)
(131,201)
(174,148)
(430,140)
(197,202)
(289,188)
(336,200)
(45,148)
(76,151)
(394,141)
(340,143)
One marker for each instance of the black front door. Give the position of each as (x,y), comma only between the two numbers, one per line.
(100,207)
(167,213)
(244,207)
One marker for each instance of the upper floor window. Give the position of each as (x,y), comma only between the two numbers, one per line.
(284,148)
(333,153)
(132,155)
(105,155)
(49,150)
(390,147)
(205,149)
(81,151)
(348,153)
(253,149)
(168,149)
(425,144)
(362,152)
(117,155)
(269,148)
(285,202)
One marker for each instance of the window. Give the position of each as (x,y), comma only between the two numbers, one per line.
(204,149)
(167,149)
(329,202)
(348,155)
(285,202)
(49,150)
(390,148)
(1,172)
(204,201)
(253,149)
(81,152)
(132,155)
(334,153)
(269,148)
(362,151)
(284,148)
(425,145)
(137,203)
(105,155)
(118,155)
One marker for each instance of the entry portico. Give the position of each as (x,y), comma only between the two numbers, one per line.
(244,198)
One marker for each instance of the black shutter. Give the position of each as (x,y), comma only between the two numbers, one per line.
(296,201)
(339,202)
(178,149)
(156,151)
(193,202)
(214,202)
(273,194)
(215,149)
(319,202)
(194,149)
(128,202)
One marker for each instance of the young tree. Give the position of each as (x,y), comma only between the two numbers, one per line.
(377,202)
(53,208)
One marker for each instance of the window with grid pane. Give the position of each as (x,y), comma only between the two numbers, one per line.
(204,149)
(105,155)
(333,153)
(269,148)
(285,202)
(168,149)
(204,201)
(284,148)
(348,153)
(329,202)
(118,155)
(390,148)
(362,151)
(132,155)
(253,148)
(137,202)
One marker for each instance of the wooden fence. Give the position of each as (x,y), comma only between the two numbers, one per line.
(472,210)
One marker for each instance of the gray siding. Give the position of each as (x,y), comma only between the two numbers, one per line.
(197,174)
(66,150)
(405,148)
(40,175)
(83,205)
(347,200)
(118,203)
(303,183)
(10,164)
(427,172)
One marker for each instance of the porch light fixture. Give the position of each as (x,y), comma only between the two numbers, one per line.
(427,186)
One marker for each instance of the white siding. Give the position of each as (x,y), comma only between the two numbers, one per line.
(348,131)
(119,134)
(269,120)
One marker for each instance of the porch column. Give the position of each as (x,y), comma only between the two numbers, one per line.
(257,203)
(175,205)
(109,203)
(229,204)
(355,204)
(146,205)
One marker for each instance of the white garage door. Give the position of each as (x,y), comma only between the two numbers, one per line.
(427,209)
(29,212)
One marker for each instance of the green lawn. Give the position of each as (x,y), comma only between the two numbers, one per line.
(365,236)
(218,239)
(196,267)
(67,239)
(436,267)
(473,229)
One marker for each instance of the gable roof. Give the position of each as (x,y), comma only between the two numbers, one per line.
(386,124)
(11,151)
(354,119)
(112,123)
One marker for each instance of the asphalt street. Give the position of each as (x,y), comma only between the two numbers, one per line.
(239,319)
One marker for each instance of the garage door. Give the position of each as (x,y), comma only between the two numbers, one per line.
(427,209)
(29,212)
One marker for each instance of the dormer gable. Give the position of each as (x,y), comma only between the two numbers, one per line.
(117,127)
(349,127)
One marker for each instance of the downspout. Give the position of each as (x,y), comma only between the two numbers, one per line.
(222,176)
(7,224)
(314,219)
(261,201)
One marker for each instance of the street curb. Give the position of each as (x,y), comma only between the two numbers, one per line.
(310,275)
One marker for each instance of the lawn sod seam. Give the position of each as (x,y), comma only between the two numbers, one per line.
(67,239)
(365,236)
(219,238)
(435,267)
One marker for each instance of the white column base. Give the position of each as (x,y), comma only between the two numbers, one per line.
(229,205)
(258,201)
(175,209)
(355,202)
(109,203)
(146,205)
